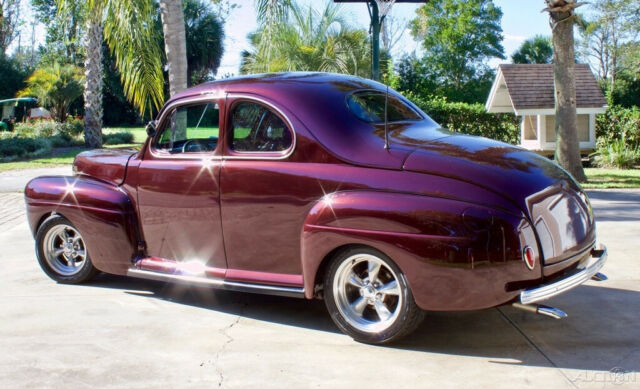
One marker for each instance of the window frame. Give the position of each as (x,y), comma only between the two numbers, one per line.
(230,153)
(166,114)
(403,99)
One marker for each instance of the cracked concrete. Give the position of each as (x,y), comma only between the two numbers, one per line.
(224,331)
(120,333)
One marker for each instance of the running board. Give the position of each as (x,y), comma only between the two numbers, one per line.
(286,291)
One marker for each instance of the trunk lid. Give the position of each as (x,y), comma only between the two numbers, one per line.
(556,205)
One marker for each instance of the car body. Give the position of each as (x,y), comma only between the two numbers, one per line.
(284,184)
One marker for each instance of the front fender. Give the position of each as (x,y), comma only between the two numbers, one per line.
(455,255)
(102,212)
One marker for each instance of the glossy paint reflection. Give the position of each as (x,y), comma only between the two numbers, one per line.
(180,209)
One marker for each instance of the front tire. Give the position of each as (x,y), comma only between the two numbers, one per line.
(368,297)
(62,253)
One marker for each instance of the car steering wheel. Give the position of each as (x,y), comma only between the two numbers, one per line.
(185,145)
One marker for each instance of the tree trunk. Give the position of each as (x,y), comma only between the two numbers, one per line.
(93,84)
(567,146)
(175,44)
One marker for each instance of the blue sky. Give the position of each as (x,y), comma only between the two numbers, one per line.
(522,19)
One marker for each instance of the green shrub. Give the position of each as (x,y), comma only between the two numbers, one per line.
(46,128)
(117,138)
(472,119)
(619,123)
(22,147)
(617,153)
(72,127)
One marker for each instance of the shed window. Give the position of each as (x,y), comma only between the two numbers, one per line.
(582,124)
(530,127)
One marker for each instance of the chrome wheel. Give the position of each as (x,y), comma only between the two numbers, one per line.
(367,293)
(64,250)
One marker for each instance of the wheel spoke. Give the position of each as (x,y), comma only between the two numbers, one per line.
(359,305)
(373,268)
(355,280)
(70,261)
(390,287)
(81,253)
(57,252)
(381,310)
(64,235)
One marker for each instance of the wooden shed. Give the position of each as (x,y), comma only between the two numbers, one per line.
(528,92)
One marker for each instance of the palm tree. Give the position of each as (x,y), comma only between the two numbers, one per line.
(310,41)
(175,44)
(56,87)
(204,33)
(128,31)
(93,79)
(562,14)
(535,50)
(271,14)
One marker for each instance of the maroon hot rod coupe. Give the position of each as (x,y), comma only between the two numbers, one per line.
(321,186)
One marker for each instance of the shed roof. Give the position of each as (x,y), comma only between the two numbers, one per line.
(531,87)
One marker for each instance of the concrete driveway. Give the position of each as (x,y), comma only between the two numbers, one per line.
(119,332)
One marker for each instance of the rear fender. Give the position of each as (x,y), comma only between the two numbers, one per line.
(102,212)
(455,255)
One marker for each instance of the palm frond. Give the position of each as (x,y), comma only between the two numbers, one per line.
(130,34)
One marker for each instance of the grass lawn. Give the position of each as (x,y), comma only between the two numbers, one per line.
(65,158)
(58,158)
(612,178)
(139,133)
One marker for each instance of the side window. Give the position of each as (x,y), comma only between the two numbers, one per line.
(191,129)
(255,128)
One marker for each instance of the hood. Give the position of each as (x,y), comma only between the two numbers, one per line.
(556,205)
(104,164)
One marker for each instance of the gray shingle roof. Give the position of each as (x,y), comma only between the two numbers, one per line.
(531,86)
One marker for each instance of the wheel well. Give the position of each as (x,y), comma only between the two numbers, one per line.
(322,268)
(42,219)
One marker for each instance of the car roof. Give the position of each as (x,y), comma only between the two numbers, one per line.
(269,82)
(317,101)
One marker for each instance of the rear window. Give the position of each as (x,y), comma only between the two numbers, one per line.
(370,106)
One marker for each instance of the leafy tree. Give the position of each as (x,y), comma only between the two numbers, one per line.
(9,21)
(64,28)
(535,50)
(310,41)
(13,76)
(459,38)
(56,87)
(415,75)
(608,37)
(561,13)
(204,34)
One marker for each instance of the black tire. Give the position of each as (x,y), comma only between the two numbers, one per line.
(363,328)
(83,273)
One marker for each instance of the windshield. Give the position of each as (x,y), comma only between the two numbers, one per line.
(370,107)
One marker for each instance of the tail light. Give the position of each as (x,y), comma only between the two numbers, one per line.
(529,258)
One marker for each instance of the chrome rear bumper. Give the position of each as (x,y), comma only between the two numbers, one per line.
(598,259)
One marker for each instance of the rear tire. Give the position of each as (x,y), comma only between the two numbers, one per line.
(368,297)
(62,253)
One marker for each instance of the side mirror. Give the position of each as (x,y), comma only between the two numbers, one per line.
(151,128)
